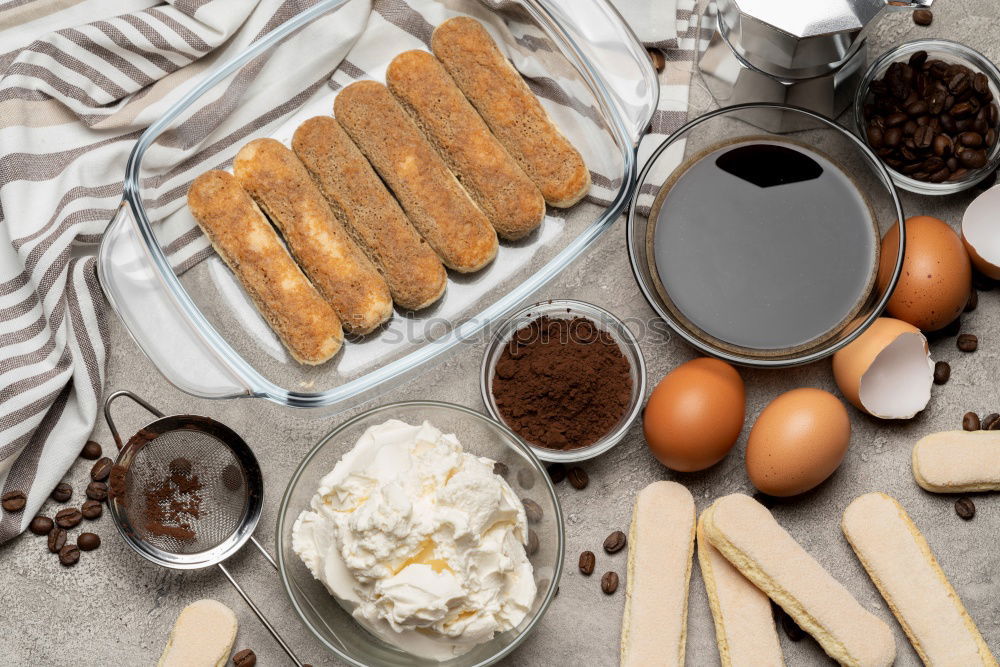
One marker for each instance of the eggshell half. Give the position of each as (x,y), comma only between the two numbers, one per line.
(936,280)
(981,232)
(797,442)
(887,371)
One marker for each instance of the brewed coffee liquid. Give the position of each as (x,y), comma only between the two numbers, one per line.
(764,244)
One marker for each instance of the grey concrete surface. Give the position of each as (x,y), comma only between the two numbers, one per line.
(114,608)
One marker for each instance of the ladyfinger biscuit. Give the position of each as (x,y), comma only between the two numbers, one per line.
(747,535)
(434,200)
(246,241)
(360,201)
(492,177)
(280,184)
(958,461)
(202,636)
(904,570)
(514,114)
(744,624)
(661,544)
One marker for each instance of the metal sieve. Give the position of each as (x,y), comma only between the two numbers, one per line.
(186,493)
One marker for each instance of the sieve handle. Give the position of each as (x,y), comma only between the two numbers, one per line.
(111,422)
(255,610)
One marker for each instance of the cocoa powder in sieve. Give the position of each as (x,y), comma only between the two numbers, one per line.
(562,383)
(173,502)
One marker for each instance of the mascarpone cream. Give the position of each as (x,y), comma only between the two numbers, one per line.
(420,541)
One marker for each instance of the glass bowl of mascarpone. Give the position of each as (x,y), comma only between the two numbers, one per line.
(420,533)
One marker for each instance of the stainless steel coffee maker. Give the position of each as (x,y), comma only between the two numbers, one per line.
(807,53)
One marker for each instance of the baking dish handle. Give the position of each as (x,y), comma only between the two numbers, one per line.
(601,34)
(154,317)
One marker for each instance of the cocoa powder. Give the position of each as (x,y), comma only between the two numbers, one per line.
(174,502)
(562,383)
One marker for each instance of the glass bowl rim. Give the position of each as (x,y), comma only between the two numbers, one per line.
(632,352)
(969,56)
(732,357)
(515,442)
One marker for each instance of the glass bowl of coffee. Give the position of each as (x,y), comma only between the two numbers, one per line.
(763,249)
(567,376)
(928,108)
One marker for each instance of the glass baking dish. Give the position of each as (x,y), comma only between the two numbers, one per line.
(189,314)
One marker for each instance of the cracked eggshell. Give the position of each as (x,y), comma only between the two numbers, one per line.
(887,372)
(981,232)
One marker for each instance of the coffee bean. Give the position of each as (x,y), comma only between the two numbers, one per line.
(101,469)
(69,518)
(893,137)
(609,583)
(973,301)
(179,466)
(587,562)
(88,541)
(578,477)
(971,139)
(970,422)
(532,510)
(973,159)
(91,451)
(968,342)
(525,478)
(13,501)
(40,525)
(923,138)
(69,555)
(532,547)
(245,658)
(965,508)
(942,371)
(657,59)
(57,538)
(990,422)
(500,469)
(92,509)
(942,146)
(895,119)
(615,542)
(62,493)
(917,59)
(97,491)
(557,472)
(875,136)
(923,17)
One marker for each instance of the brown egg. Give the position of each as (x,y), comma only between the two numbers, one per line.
(797,442)
(695,415)
(934,285)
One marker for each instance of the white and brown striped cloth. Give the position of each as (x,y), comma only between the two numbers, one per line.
(79,81)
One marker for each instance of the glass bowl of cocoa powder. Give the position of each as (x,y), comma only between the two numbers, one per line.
(567,377)
(929,110)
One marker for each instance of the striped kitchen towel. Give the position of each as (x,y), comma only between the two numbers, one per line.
(79,81)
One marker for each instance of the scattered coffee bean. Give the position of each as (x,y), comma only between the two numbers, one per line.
(97,491)
(62,493)
(88,541)
(578,477)
(179,466)
(609,583)
(923,17)
(587,562)
(532,547)
(970,422)
(57,538)
(968,342)
(557,472)
(69,555)
(40,525)
(942,372)
(245,658)
(532,510)
(69,518)
(973,301)
(501,469)
(525,478)
(13,501)
(965,508)
(92,509)
(615,542)
(91,451)
(656,57)
(991,422)
(101,469)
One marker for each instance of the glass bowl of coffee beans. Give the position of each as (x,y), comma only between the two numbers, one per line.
(928,109)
